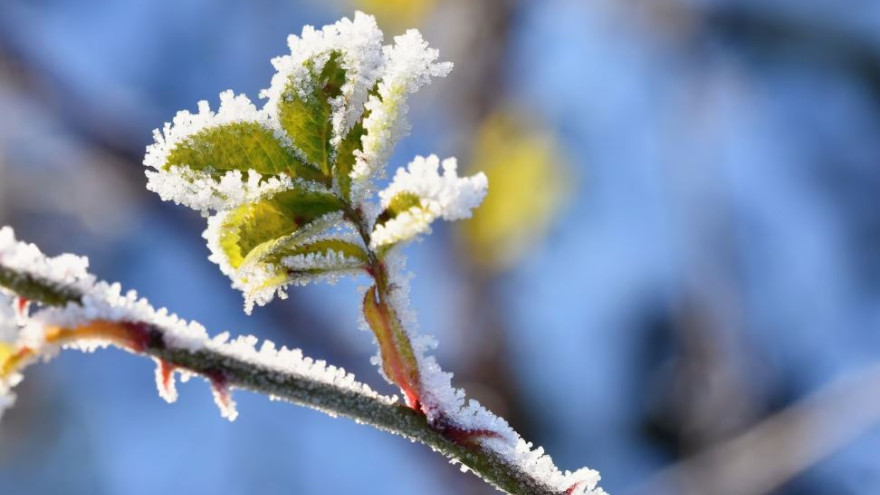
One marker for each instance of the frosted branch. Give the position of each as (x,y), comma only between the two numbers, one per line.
(78,312)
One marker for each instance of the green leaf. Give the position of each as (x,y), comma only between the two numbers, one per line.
(323,246)
(399,204)
(258,227)
(240,146)
(345,158)
(307,121)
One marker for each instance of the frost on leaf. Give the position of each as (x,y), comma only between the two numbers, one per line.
(212,161)
(408,65)
(420,194)
(251,242)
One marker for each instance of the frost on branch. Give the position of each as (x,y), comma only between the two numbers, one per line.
(96,314)
(420,194)
(468,421)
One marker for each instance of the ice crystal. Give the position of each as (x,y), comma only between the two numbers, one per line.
(199,190)
(409,64)
(440,196)
(202,192)
(359,42)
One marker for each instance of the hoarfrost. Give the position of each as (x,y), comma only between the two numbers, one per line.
(409,64)
(203,193)
(441,196)
(359,42)
(198,190)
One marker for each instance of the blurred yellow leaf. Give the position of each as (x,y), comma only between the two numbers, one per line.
(6,351)
(528,183)
(394,15)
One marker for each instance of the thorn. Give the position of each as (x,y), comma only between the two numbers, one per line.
(21,307)
(165,380)
(222,396)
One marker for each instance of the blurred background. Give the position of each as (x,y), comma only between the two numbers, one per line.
(675,278)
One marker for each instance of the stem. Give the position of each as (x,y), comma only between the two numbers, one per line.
(294,388)
(398,358)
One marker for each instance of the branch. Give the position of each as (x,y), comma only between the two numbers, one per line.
(227,366)
(775,450)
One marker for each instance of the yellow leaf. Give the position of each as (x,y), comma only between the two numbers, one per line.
(528,184)
(395,15)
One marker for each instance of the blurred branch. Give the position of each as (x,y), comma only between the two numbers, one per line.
(783,445)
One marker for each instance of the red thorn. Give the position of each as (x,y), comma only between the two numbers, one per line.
(166,377)
(222,396)
(21,305)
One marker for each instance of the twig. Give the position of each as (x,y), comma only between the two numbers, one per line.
(380,413)
(782,446)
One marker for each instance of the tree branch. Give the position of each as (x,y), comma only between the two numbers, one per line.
(236,372)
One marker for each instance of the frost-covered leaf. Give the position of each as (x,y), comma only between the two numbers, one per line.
(322,256)
(398,204)
(306,114)
(420,194)
(236,137)
(241,231)
(409,64)
(318,93)
(346,157)
(245,146)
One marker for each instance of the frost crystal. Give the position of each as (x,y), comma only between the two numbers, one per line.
(202,192)
(409,65)
(360,44)
(441,196)
(198,190)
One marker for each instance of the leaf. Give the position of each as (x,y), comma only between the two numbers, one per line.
(308,121)
(244,146)
(262,224)
(398,204)
(345,158)
(397,14)
(323,247)
(517,156)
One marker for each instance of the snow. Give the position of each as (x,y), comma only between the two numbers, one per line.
(442,196)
